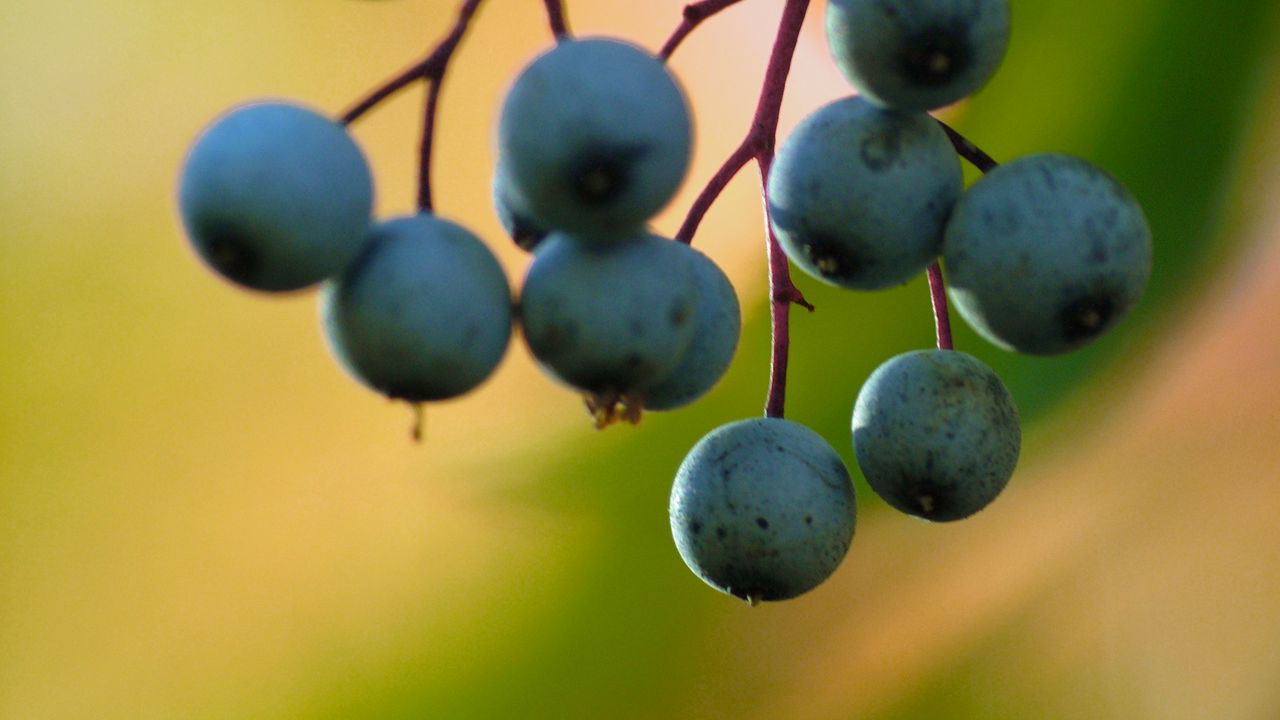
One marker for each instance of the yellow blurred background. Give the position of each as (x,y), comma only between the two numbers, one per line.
(202,517)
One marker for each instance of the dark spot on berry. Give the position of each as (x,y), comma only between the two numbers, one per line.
(228,250)
(764,524)
(1086,317)
(1098,251)
(695,527)
(881,148)
(721,532)
(678,315)
(557,338)
(808,519)
(828,258)
(935,55)
(601,175)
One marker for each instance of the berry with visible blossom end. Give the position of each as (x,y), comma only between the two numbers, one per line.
(917,55)
(276,197)
(595,136)
(936,434)
(859,195)
(1045,253)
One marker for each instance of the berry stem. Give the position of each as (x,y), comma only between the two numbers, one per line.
(735,162)
(691,17)
(758,145)
(937,287)
(424,153)
(430,68)
(941,315)
(967,150)
(782,291)
(556,19)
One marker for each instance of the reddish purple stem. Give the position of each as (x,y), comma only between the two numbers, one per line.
(937,288)
(968,150)
(693,15)
(555,18)
(758,145)
(941,316)
(430,68)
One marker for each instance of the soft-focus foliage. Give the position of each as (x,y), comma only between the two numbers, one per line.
(201,516)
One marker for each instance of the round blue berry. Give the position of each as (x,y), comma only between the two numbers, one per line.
(1046,253)
(596,136)
(423,314)
(276,197)
(715,338)
(859,195)
(936,434)
(763,509)
(917,55)
(609,318)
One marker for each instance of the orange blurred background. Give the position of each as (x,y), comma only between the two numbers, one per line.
(202,517)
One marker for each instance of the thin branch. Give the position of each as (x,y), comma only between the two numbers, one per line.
(782,292)
(937,287)
(693,15)
(967,150)
(555,18)
(941,315)
(430,68)
(734,163)
(428,140)
(758,144)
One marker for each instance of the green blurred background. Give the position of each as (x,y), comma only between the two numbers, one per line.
(201,517)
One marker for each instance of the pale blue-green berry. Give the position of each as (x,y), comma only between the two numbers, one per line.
(936,434)
(859,195)
(424,313)
(609,318)
(715,338)
(917,55)
(275,196)
(763,509)
(596,136)
(519,225)
(1045,253)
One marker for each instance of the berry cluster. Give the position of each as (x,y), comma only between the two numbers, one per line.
(1044,254)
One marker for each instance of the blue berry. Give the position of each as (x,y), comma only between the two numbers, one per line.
(609,318)
(859,195)
(936,434)
(1046,253)
(276,197)
(715,338)
(596,136)
(423,314)
(917,55)
(763,509)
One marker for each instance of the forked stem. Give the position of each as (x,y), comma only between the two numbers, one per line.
(758,145)
(690,18)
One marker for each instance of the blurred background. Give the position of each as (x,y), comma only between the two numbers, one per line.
(202,517)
